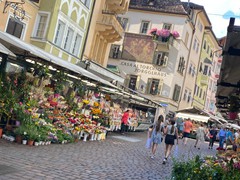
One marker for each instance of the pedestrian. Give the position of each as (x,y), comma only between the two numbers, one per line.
(157,135)
(124,122)
(229,138)
(180,126)
(222,136)
(171,134)
(200,137)
(186,130)
(212,137)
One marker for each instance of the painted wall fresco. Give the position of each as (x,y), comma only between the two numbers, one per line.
(138,47)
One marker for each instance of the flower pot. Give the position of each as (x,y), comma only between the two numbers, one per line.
(24,142)
(40,143)
(1,131)
(19,139)
(36,143)
(85,137)
(30,142)
(232,115)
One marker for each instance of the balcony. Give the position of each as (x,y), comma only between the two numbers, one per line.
(163,43)
(204,79)
(109,27)
(118,6)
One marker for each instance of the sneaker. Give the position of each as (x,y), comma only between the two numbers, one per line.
(209,147)
(164,161)
(152,157)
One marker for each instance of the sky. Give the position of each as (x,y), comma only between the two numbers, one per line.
(219,13)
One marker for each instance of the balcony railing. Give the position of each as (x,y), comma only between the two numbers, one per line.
(110,20)
(204,79)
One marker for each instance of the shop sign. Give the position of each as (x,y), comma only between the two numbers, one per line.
(144,68)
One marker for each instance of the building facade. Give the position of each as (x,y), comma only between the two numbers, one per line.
(206,80)
(153,67)
(210,104)
(61,27)
(18,17)
(199,20)
(105,29)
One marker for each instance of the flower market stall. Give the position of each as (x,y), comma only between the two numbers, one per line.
(48,100)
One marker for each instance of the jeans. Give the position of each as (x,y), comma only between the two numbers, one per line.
(221,141)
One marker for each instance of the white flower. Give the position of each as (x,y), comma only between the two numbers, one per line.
(25,133)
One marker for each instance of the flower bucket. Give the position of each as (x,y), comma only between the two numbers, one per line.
(232,115)
(40,143)
(36,143)
(81,134)
(95,137)
(99,137)
(24,142)
(1,131)
(85,137)
(92,137)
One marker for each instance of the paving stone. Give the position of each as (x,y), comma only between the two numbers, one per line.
(113,159)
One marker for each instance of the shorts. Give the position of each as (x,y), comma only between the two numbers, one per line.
(185,134)
(169,139)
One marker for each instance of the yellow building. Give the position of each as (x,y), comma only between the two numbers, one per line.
(200,20)
(18,17)
(104,29)
(210,45)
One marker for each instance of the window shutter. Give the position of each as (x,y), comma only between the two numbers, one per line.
(158,58)
(127,80)
(137,82)
(148,85)
(165,61)
(160,85)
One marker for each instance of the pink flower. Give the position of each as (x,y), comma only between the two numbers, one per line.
(175,34)
(163,33)
(20,103)
(153,30)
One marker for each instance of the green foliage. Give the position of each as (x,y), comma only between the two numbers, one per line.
(196,169)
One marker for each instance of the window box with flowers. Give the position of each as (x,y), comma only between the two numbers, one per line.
(163,35)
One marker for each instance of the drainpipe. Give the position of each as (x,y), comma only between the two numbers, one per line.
(85,42)
(184,77)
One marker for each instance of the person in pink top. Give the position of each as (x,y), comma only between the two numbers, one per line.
(124,122)
(186,130)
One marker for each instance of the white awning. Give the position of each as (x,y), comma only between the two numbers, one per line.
(193,117)
(99,69)
(9,40)
(6,51)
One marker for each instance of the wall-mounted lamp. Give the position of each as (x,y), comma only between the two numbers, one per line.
(19,13)
(87,63)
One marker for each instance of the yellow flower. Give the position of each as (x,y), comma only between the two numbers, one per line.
(28,104)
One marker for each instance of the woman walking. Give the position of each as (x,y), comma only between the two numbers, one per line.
(201,131)
(212,136)
(157,135)
(171,134)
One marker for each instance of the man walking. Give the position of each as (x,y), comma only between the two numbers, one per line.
(222,136)
(187,129)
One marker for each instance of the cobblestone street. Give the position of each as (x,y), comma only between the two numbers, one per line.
(118,157)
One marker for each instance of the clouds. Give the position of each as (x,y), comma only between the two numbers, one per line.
(219,13)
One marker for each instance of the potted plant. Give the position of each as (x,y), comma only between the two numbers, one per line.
(32,134)
(233,107)
(19,132)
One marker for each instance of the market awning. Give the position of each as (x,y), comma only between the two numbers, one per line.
(6,51)
(101,71)
(193,117)
(20,47)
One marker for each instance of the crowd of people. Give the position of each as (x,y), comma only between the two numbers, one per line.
(171,130)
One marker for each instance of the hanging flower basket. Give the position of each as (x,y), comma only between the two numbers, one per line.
(163,35)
